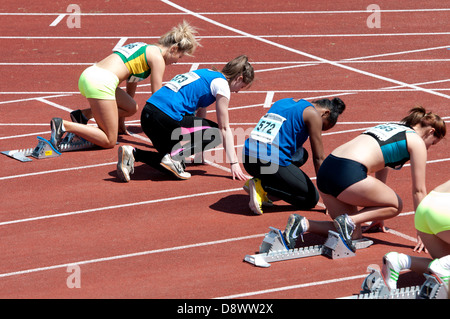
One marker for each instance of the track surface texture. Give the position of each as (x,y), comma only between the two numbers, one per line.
(160,238)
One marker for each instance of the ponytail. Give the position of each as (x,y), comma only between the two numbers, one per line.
(183,36)
(418,116)
(239,66)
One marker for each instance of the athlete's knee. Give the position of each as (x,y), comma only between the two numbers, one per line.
(135,108)
(397,207)
(132,108)
(109,142)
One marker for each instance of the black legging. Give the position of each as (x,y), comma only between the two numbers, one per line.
(288,183)
(167,134)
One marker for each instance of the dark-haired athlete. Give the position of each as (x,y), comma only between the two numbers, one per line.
(274,152)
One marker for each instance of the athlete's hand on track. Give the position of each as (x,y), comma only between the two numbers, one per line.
(420,246)
(237,173)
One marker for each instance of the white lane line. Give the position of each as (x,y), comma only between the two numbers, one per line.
(57,20)
(138,254)
(261,39)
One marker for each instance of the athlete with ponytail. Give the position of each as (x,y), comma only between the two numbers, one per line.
(345,184)
(274,151)
(109,104)
(177,113)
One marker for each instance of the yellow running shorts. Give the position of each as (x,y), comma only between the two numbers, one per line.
(433,213)
(98,83)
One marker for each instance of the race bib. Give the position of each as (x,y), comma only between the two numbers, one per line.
(182,80)
(267,128)
(130,49)
(385,131)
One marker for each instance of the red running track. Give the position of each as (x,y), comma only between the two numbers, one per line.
(160,238)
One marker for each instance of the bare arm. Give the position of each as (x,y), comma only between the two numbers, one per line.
(227,137)
(314,123)
(157,65)
(418,159)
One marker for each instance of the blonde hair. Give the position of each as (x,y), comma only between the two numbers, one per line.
(183,36)
(418,115)
(239,66)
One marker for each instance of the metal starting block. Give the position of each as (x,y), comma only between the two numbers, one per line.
(274,248)
(373,287)
(45,149)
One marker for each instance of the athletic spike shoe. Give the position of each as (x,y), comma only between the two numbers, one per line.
(441,273)
(265,202)
(78,117)
(56,125)
(175,167)
(296,225)
(257,193)
(125,163)
(391,269)
(345,229)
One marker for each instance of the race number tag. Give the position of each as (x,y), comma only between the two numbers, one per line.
(267,128)
(385,131)
(181,80)
(130,49)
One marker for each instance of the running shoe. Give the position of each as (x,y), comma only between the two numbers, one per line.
(441,273)
(295,227)
(265,202)
(175,167)
(57,132)
(257,194)
(78,117)
(345,230)
(125,163)
(391,269)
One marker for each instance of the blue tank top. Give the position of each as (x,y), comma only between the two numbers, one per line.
(392,139)
(279,133)
(186,93)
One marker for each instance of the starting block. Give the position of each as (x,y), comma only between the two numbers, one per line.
(373,287)
(45,149)
(274,248)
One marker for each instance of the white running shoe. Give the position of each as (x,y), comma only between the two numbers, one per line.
(391,269)
(296,226)
(125,163)
(175,167)
(441,273)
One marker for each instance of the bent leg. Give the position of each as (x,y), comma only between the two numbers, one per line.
(105,114)
(292,185)
(380,202)
(126,107)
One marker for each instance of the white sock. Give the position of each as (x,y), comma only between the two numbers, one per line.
(404,261)
(445,261)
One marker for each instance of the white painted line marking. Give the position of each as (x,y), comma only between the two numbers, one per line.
(57,20)
(269,99)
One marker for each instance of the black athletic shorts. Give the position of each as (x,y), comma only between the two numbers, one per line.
(336,174)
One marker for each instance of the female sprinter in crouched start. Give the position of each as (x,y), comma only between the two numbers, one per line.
(177,113)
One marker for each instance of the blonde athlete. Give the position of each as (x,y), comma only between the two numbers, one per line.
(108,103)
(432,222)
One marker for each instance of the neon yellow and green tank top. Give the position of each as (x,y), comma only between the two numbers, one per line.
(133,55)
